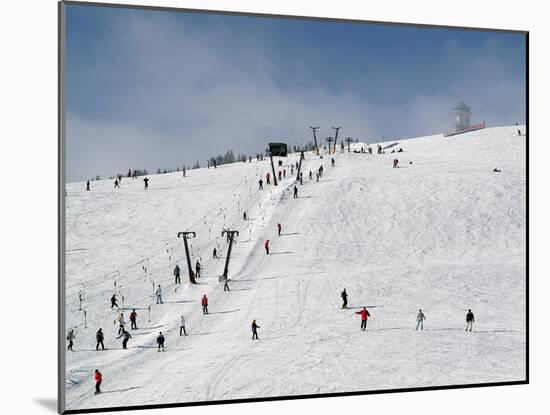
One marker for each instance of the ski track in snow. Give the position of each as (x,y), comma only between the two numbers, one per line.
(443,234)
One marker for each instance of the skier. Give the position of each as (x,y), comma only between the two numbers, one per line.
(98,379)
(344,296)
(284,173)
(133,317)
(280,174)
(80,300)
(99,339)
(120,321)
(292,169)
(125,337)
(177,274)
(215,254)
(204,302)
(395,163)
(160,341)
(182,326)
(226,284)
(332,161)
(158,293)
(364,317)
(88,186)
(266,246)
(255,328)
(146,181)
(420,317)
(198,269)
(261,183)
(279,227)
(267,177)
(301,178)
(245,217)
(519,131)
(184,172)
(295,192)
(469,320)
(310,175)
(116,184)
(71,335)
(113,301)
(317,176)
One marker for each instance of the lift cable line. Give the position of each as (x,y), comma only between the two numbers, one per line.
(185,236)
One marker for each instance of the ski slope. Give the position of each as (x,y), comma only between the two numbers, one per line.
(444,234)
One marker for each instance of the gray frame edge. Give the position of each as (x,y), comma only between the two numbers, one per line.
(61,285)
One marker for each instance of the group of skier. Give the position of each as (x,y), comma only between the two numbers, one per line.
(420,317)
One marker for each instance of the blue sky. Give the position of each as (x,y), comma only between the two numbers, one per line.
(149,89)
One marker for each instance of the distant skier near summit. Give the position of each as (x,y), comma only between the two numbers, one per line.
(420,317)
(88,186)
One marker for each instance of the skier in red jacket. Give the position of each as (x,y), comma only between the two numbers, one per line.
(364,317)
(266,246)
(98,378)
(204,303)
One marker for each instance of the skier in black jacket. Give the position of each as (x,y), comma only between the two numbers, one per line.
(469,320)
(99,338)
(177,274)
(255,328)
(345,298)
(160,341)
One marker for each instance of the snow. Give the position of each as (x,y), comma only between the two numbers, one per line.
(443,234)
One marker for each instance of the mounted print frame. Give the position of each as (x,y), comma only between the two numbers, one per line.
(261,207)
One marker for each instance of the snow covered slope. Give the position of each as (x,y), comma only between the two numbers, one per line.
(442,232)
